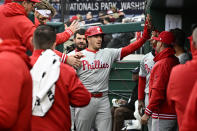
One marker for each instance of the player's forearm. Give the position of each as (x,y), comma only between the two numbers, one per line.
(132,47)
(64,36)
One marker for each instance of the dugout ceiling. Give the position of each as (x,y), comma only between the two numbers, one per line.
(172,5)
(160,8)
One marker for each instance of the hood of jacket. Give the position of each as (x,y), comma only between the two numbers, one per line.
(164,54)
(13,9)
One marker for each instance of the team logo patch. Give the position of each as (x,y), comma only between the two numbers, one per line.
(99,29)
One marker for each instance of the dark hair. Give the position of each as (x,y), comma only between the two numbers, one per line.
(179,36)
(80,31)
(167,45)
(107,19)
(193,26)
(44,37)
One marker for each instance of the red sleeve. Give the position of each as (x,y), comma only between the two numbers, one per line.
(137,44)
(141,87)
(190,117)
(132,47)
(36,22)
(63,56)
(27,31)
(171,90)
(79,95)
(11,77)
(157,85)
(64,36)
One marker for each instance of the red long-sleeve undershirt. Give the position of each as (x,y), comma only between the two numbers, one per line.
(137,44)
(132,47)
(141,87)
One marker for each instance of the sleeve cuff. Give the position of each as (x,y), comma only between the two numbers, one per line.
(148,112)
(69,31)
(140,98)
(64,58)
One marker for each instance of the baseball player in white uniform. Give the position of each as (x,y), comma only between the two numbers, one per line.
(146,66)
(94,74)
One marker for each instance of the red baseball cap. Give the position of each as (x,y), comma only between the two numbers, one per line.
(73,18)
(165,37)
(93,30)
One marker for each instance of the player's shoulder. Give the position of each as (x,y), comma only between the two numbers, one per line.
(12,61)
(11,57)
(148,57)
(182,68)
(110,50)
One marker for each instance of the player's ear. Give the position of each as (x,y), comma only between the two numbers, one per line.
(54,45)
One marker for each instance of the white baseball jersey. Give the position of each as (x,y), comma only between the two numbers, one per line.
(63,58)
(95,69)
(72,53)
(146,66)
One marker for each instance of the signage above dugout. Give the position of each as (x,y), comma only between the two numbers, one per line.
(129,7)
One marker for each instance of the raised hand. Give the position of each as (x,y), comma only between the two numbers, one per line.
(74,26)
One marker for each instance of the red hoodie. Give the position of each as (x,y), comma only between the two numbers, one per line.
(181,83)
(190,117)
(158,106)
(15,24)
(15,88)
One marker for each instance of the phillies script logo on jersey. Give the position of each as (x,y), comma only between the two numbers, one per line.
(147,68)
(97,64)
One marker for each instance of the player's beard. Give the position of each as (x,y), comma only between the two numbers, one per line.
(81,47)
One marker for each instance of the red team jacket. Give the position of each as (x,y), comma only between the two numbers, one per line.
(69,91)
(190,118)
(15,88)
(181,83)
(16,25)
(158,106)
